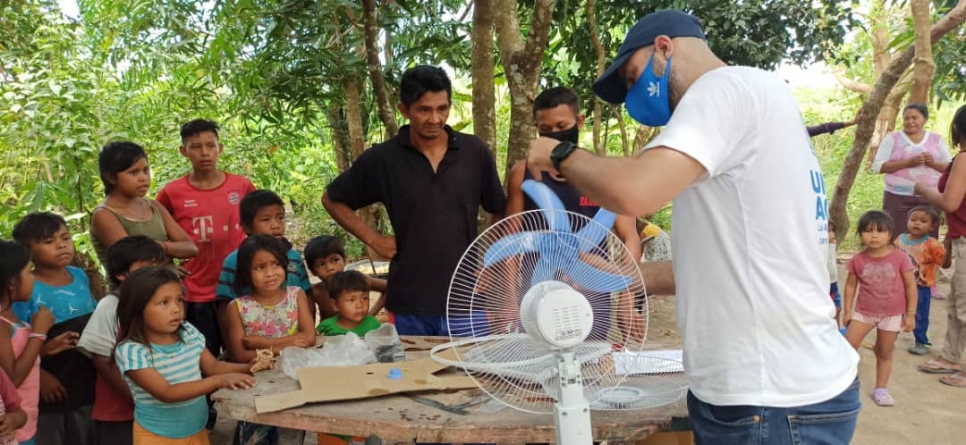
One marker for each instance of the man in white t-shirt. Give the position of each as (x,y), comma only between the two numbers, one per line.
(762,353)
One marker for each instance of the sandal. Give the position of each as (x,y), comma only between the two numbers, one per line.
(958,380)
(937,367)
(881,397)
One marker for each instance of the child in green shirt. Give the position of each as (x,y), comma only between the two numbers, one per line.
(349,291)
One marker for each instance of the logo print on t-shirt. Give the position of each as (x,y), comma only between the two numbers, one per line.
(202,226)
(587,202)
(878,272)
(233,197)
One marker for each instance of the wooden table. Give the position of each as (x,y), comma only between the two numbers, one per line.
(396,418)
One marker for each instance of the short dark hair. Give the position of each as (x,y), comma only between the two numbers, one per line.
(876,220)
(134,295)
(198,126)
(255,201)
(247,250)
(921,108)
(347,281)
(423,79)
(116,157)
(555,97)
(129,250)
(321,247)
(957,128)
(37,226)
(929,210)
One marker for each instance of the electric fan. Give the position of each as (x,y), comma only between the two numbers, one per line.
(542,316)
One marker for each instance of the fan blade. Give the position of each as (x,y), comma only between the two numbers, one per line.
(594,279)
(546,199)
(591,235)
(513,244)
(544,270)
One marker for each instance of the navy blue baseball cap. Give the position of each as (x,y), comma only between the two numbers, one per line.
(671,23)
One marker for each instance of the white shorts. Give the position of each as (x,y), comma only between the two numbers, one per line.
(891,323)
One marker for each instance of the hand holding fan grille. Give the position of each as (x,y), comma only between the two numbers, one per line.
(537,306)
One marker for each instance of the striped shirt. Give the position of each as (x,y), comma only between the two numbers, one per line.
(177,363)
(296,275)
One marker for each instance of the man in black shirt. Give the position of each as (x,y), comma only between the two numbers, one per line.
(432,180)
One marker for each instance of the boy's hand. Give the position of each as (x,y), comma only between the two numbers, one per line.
(236,381)
(60,343)
(42,320)
(51,391)
(908,322)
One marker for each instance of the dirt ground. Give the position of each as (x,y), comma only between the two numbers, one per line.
(926,411)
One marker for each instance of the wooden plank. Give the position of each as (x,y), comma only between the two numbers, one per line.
(398,419)
(670,438)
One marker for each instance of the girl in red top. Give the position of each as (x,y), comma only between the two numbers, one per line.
(887,296)
(952,189)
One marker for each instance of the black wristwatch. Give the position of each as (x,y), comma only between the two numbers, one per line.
(561,152)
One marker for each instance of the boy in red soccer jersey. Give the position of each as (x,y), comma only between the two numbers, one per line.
(205,204)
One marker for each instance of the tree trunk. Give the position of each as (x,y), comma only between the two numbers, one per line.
(838,211)
(484,86)
(879,18)
(522,62)
(383,105)
(601,60)
(625,145)
(481,72)
(340,138)
(643,136)
(357,140)
(924,65)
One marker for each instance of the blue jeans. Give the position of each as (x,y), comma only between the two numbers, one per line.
(831,422)
(436,325)
(922,316)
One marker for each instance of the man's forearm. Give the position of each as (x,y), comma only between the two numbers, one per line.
(345,217)
(658,278)
(635,186)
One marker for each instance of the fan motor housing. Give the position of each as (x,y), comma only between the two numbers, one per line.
(556,314)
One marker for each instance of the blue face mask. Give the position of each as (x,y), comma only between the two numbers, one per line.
(647,101)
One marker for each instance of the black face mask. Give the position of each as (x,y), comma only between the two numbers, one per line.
(571,134)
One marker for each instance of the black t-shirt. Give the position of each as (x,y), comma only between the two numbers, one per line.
(433,214)
(74,370)
(570,197)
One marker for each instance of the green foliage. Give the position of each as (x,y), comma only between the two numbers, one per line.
(741,33)
(830,106)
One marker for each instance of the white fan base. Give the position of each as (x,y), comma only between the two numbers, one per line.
(571,418)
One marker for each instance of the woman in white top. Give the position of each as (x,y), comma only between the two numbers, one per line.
(906,157)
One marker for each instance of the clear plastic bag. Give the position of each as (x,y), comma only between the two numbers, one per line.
(344,350)
(384,343)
